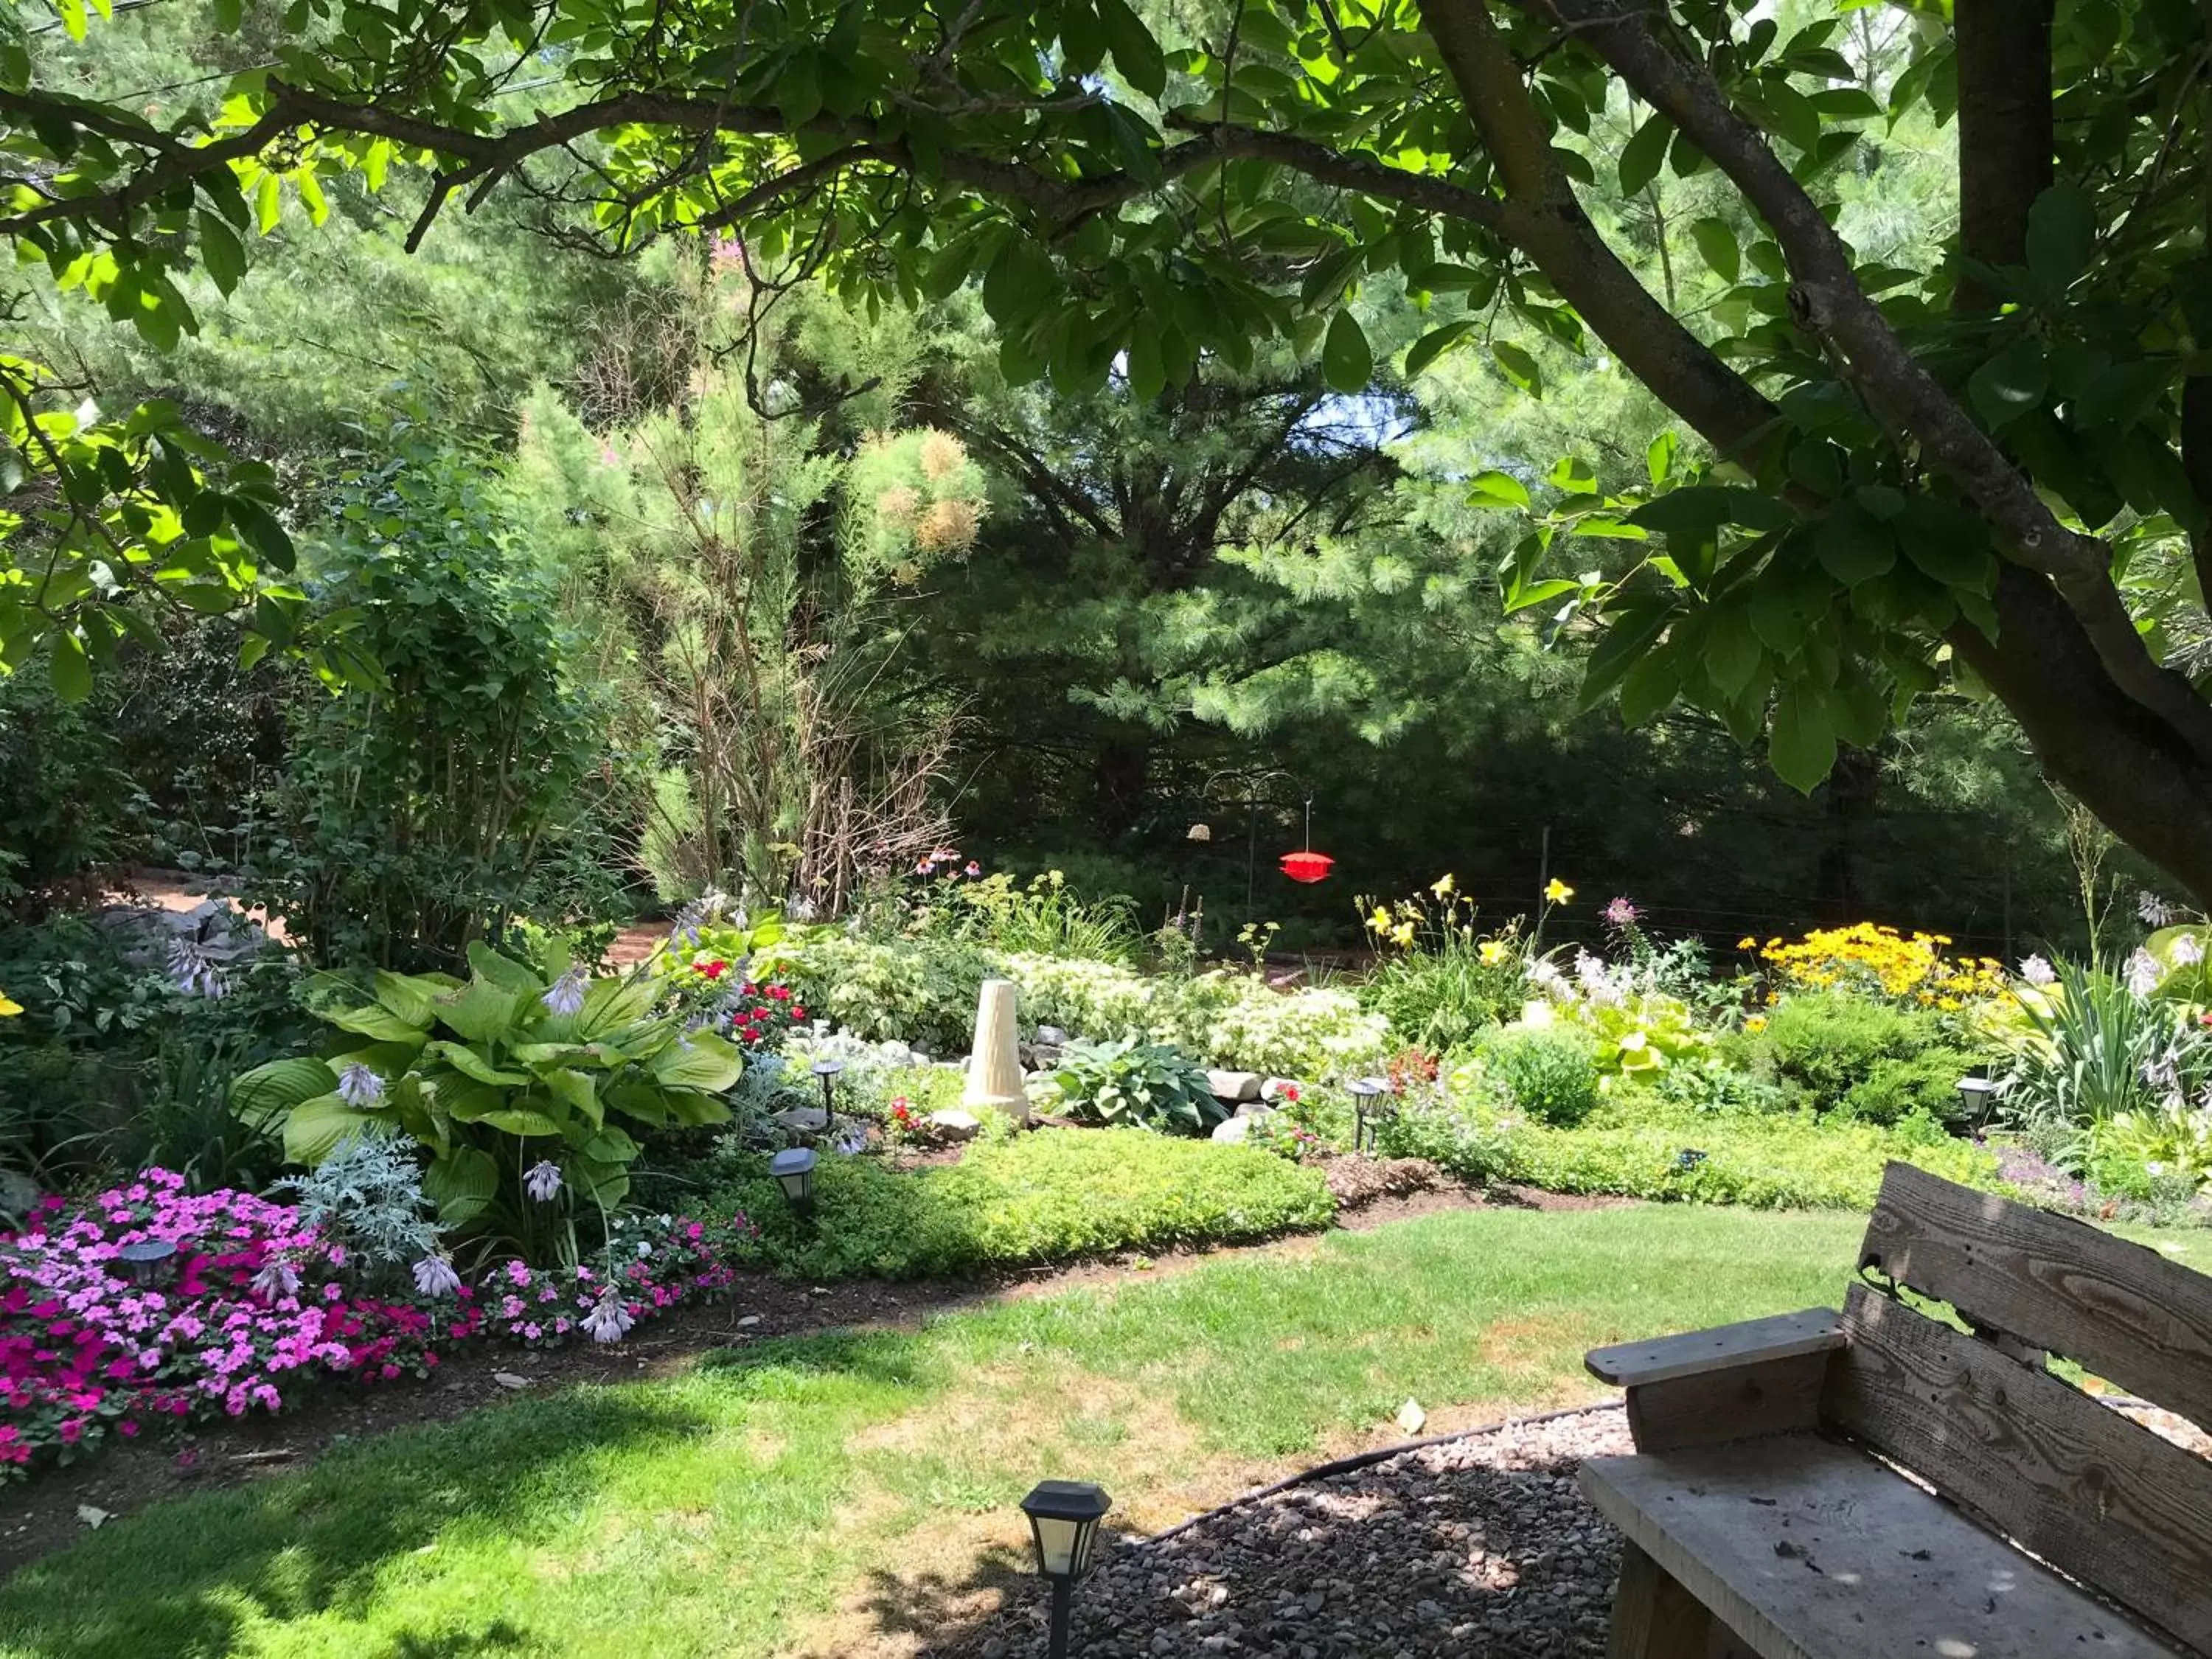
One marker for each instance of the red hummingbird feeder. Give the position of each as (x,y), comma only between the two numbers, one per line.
(1308,866)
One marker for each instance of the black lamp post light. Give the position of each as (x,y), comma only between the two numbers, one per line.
(1064,1517)
(827,1070)
(1365,1114)
(794,1172)
(150,1262)
(1977,1096)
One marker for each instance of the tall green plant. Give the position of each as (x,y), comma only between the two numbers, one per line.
(507,1079)
(421,809)
(2096,1048)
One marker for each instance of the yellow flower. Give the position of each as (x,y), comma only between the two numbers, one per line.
(1443,886)
(1756,1023)
(1402,935)
(1745,944)
(1494,951)
(1380,921)
(1557,892)
(8,1007)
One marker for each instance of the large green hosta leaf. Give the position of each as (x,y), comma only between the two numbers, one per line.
(481,1011)
(470,1064)
(261,1097)
(701,1060)
(318,1127)
(462,1185)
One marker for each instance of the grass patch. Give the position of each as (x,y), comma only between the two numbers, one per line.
(819,1495)
(1050,1196)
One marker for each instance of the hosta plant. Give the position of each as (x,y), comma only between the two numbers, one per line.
(1131,1081)
(520,1085)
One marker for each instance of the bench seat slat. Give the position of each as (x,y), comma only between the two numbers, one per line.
(1807,1549)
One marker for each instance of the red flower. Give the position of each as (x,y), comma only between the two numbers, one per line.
(798,1013)
(779,993)
(713,969)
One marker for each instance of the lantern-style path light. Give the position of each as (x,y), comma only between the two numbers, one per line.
(1064,1517)
(150,1262)
(793,1170)
(1363,1091)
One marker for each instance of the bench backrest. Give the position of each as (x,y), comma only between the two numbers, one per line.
(1983,1420)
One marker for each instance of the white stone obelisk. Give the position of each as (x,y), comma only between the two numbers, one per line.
(994,1064)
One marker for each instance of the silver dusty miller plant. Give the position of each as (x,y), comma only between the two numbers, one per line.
(368,1197)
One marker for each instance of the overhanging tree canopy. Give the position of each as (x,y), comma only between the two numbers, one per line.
(2001,462)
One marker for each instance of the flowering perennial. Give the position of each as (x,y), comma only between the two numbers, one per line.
(261,1303)
(1879,961)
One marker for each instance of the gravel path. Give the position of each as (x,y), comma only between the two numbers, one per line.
(1478,1545)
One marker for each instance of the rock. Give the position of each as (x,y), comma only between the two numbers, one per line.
(1234,1086)
(509,1380)
(749,1319)
(1254,1108)
(18,1193)
(801,1120)
(1235,1131)
(1411,1417)
(954,1124)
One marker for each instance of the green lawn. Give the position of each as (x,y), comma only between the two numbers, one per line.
(818,1495)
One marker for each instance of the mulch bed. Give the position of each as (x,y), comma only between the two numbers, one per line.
(1479,1545)
(51,1510)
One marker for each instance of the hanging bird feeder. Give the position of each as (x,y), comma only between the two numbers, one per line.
(1307,866)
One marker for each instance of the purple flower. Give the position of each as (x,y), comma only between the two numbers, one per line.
(277,1279)
(2154,911)
(566,994)
(608,1320)
(359,1087)
(2143,972)
(2186,951)
(541,1181)
(1620,914)
(192,970)
(2038,971)
(434,1276)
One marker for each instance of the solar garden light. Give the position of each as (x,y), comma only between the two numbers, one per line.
(793,1170)
(827,1070)
(1064,1517)
(1688,1160)
(1363,1091)
(148,1263)
(1977,1095)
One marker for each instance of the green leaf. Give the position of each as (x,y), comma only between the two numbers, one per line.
(408,997)
(1718,247)
(376,1023)
(577,1092)
(504,971)
(1659,459)
(521,1120)
(1633,633)
(701,1060)
(462,1185)
(1802,746)
(1495,489)
(470,1064)
(318,1127)
(2011,383)
(482,1012)
(1136,53)
(1651,684)
(2062,235)
(1642,156)
(1433,345)
(260,1097)
(1573,474)
(1520,367)
(693,1108)
(1733,651)
(221,252)
(70,669)
(1346,363)
(1853,547)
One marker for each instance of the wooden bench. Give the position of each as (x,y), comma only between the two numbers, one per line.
(1765,1511)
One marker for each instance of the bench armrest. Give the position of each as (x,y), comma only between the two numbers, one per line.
(1724,1347)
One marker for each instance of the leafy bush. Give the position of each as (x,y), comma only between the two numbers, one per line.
(1131,1081)
(1825,1043)
(1782,1162)
(1042,918)
(1314,1032)
(920,991)
(1550,1072)
(497,1076)
(367,1198)
(1925,1084)
(2094,1047)
(1047,1196)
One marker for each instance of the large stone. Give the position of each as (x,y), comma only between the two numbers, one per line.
(18,1193)
(953,1124)
(802,1119)
(1236,1130)
(1234,1086)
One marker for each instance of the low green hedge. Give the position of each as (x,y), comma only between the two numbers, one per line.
(1769,1162)
(1047,1196)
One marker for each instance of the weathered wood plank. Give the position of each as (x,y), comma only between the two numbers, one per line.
(1653,1616)
(1810,1550)
(1706,1408)
(1779,1336)
(2125,1312)
(2101,1499)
